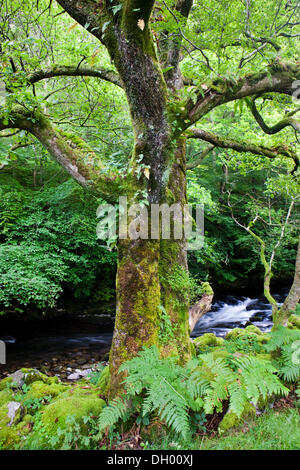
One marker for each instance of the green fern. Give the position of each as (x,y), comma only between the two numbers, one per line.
(174,392)
(111,414)
(287,343)
(282,336)
(259,378)
(244,379)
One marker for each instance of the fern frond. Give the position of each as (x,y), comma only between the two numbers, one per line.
(280,337)
(112,413)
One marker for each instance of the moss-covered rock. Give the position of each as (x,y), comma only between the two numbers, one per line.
(263,339)
(16,412)
(208,339)
(294,322)
(6,395)
(54,415)
(253,329)
(5,383)
(28,376)
(10,436)
(53,422)
(231,420)
(250,331)
(40,389)
(234,334)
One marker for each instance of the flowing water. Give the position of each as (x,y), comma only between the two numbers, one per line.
(235,312)
(72,343)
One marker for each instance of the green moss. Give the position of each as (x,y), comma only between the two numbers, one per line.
(254,329)
(263,339)
(294,322)
(33,375)
(264,403)
(40,389)
(103,381)
(231,420)
(234,334)
(10,436)
(250,331)
(54,417)
(75,141)
(5,383)
(81,390)
(220,353)
(193,350)
(138,300)
(208,339)
(6,395)
(53,380)
(265,356)
(206,289)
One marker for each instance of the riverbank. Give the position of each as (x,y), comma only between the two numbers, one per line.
(61,346)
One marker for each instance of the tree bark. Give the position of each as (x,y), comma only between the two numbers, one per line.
(289,305)
(199,309)
(153,288)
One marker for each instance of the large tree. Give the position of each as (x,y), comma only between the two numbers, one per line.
(148,42)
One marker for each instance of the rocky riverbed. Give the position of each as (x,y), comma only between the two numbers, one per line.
(61,347)
(75,362)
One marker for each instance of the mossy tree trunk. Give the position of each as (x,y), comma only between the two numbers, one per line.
(150,308)
(153,287)
(289,305)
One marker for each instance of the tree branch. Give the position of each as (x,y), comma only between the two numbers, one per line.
(172,47)
(288,121)
(71,71)
(71,152)
(88,13)
(240,146)
(278,78)
(196,162)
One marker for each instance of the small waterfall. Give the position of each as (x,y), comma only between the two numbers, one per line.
(233,312)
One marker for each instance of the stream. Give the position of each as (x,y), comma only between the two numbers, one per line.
(63,345)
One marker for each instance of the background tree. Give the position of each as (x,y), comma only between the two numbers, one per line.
(282,229)
(150,45)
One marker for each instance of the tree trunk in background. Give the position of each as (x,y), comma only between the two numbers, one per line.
(280,317)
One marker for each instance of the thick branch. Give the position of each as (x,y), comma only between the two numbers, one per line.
(172,48)
(71,71)
(278,78)
(199,309)
(240,146)
(88,13)
(71,152)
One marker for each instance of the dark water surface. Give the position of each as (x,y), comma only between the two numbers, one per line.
(73,343)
